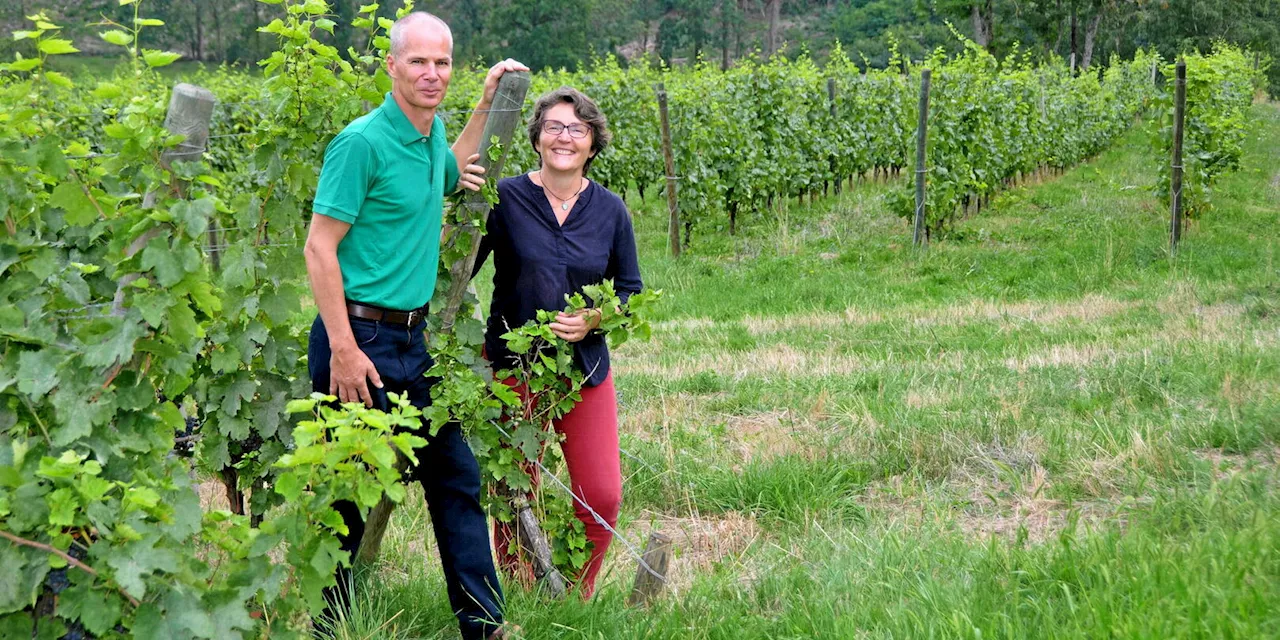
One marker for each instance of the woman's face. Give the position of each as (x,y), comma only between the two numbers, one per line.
(562,151)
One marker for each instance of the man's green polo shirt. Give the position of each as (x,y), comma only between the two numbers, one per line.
(388,182)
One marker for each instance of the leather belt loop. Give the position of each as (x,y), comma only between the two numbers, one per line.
(401,318)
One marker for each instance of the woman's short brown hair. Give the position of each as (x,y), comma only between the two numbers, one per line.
(585,108)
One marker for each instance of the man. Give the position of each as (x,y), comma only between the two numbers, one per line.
(371,256)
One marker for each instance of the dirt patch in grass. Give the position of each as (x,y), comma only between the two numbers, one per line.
(213,496)
(648,420)
(700,544)
(1226,464)
(787,361)
(1068,355)
(1090,308)
(773,434)
(989,508)
(1185,323)
(1000,491)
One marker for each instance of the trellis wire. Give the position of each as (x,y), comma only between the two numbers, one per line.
(631,548)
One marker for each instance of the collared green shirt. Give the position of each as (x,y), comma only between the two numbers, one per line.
(388,182)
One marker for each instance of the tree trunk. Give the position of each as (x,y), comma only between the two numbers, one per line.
(772,9)
(196,47)
(724,35)
(1074,51)
(1089,33)
(257,35)
(983,21)
(1057,40)
(219,51)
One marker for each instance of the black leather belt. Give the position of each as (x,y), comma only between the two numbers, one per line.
(402,318)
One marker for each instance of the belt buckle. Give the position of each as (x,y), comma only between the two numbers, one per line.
(415,316)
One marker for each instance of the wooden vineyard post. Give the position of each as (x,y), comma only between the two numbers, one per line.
(673,228)
(503,119)
(922,138)
(1175,182)
(190,111)
(651,574)
(1044,111)
(534,541)
(831,101)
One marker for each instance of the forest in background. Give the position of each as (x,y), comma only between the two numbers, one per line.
(565,33)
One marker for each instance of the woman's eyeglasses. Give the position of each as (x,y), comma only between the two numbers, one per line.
(576,130)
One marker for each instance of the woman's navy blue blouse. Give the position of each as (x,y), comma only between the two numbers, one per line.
(538,261)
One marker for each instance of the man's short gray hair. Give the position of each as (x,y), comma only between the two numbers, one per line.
(397,29)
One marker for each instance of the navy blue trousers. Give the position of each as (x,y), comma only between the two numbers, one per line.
(446,468)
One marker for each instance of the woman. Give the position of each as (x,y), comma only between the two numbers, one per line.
(553,232)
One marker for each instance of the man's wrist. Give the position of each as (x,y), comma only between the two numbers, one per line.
(343,345)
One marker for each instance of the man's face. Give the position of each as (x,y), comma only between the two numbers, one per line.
(423,66)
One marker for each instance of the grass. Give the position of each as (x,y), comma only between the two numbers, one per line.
(1041,427)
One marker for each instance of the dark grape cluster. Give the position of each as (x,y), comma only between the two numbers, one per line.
(252,443)
(57,580)
(185,444)
(76,631)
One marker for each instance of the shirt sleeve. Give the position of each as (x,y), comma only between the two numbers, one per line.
(486,241)
(450,172)
(624,264)
(349,164)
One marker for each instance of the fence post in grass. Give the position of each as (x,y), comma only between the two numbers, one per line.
(922,136)
(503,119)
(189,114)
(831,101)
(651,574)
(190,110)
(534,541)
(1175,182)
(673,209)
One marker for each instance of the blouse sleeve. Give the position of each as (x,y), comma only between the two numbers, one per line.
(624,264)
(486,241)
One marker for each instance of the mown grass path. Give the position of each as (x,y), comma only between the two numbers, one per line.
(1040,427)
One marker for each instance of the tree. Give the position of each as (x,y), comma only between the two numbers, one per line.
(983,16)
(771,43)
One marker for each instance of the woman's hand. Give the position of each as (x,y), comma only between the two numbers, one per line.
(472,175)
(574,327)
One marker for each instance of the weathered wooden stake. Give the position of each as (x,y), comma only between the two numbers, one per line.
(502,122)
(534,541)
(190,110)
(1175,182)
(922,137)
(673,227)
(831,101)
(657,557)
(1044,113)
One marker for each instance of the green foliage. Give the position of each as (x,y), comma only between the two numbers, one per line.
(1219,90)
(146,286)
(992,122)
(128,315)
